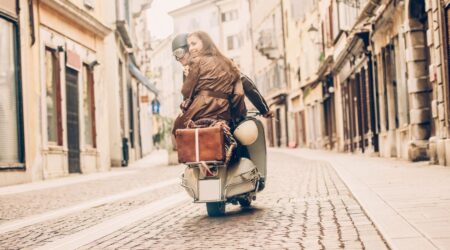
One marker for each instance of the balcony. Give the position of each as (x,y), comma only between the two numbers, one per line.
(267,44)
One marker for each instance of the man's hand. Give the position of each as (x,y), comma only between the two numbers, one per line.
(185,105)
(186,70)
(269,114)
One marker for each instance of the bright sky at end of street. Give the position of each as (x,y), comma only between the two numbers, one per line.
(160,23)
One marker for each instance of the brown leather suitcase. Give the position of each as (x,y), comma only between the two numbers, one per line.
(200,144)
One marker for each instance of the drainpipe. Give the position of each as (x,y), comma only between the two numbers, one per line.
(444,35)
(283,25)
(139,85)
(286,79)
(219,19)
(251,37)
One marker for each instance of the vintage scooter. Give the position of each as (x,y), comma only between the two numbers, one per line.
(237,183)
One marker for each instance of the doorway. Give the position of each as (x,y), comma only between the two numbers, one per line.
(73,126)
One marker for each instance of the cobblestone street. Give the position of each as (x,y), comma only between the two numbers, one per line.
(304,206)
(342,108)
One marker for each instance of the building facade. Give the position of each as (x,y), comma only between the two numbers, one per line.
(58,97)
(267,25)
(130,90)
(384,79)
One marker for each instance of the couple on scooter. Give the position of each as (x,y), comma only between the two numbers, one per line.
(213,87)
(213,95)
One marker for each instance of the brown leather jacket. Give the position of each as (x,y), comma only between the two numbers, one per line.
(209,86)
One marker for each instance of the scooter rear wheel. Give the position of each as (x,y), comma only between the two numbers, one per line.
(245,203)
(215,209)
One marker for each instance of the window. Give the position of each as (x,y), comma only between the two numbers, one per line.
(234,15)
(121,98)
(232,42)
(53,97)
(402,88)
(335,26)
(329,18)
(11,143)
(131,94)
(385,110)
(390,92)
(447,39)
(89,106)
(230,15)
(126,5)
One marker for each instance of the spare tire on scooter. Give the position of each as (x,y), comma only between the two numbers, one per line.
(215,209)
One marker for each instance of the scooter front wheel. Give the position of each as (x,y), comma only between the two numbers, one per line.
(215,209)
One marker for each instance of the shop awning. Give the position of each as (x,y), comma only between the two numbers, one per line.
(142,78)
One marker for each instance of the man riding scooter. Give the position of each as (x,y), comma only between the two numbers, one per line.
(247,130)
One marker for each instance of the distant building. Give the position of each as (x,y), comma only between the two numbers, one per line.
(267,26)
(162,73)
(227,23)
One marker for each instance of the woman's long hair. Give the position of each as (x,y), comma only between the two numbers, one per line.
(210,49)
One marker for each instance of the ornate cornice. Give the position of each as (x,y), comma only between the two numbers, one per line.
(78,15)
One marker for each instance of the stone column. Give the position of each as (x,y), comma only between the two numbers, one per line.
(419,90)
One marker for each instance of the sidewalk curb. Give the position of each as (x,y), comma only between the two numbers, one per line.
(57,213)
(397,232)
(91,234)
(153,159)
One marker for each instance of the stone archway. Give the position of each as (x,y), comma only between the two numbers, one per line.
(419,86)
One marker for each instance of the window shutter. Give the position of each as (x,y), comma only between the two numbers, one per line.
(9,143)
(447,17)
(73,60)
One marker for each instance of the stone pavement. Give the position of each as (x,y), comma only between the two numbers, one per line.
(408,202)
(34,198)
(27,202)
(305,205)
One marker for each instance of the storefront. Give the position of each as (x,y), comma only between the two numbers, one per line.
(12,151)
(74,127)
(353,71)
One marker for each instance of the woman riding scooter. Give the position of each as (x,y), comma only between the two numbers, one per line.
(180,49)
(208,84)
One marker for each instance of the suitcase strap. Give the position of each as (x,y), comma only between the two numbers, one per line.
(197,146)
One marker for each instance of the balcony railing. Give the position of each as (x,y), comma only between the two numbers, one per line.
(267,44)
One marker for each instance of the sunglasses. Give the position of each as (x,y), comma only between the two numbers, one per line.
(179,53)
